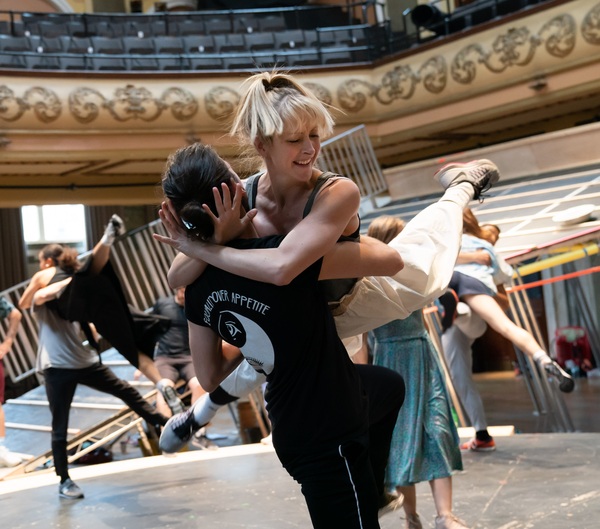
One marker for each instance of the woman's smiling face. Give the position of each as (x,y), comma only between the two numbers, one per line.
(294,152)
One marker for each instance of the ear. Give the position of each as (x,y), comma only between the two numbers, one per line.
(261,146)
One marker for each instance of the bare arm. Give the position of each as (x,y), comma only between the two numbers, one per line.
(369,257)
(39,280)
(43,295)
(213,360)
(309,240)
(478,256)
(14,320)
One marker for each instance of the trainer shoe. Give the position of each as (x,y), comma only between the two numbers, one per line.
(413,521)
(172,399)
(449,302)
(115,228)
(178,431)
(68,489)
(475,445)
(449,521)
(200,440)
(565,380)
(390,503)
(481,174)
(8,459)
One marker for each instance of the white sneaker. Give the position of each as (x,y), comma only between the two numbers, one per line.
(7,458)
(565,381)
(268,440)
(115,228)
(481,174)
(70,490)
(201,440)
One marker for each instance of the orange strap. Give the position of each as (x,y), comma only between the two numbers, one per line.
(563,277)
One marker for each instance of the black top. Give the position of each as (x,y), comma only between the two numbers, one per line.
(175,341)
(314,396)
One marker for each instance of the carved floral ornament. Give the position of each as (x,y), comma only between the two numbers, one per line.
(516,47)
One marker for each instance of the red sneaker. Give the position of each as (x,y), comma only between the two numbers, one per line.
(475,445)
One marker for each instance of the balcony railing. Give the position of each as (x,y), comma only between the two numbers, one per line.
(245,39)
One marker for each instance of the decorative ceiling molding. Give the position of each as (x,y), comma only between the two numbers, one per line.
(513,51)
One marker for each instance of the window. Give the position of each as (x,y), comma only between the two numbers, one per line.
(60,223)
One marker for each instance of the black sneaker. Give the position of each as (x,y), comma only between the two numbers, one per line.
(449,301)
(172,399)
(68,489)
(481,174)
(566,383)
(178,431)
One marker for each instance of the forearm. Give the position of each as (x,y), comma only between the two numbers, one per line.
(369,257)
(476,256)
(213,359)
(268,265)
(14,320)
(184,271)
(26,299)
(50,292)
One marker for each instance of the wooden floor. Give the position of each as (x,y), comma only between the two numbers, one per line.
(507,402)
(534,480)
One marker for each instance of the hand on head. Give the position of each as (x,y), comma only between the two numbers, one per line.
(229,221)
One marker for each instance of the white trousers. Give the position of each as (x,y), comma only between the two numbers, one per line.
(457,350)
(429,245)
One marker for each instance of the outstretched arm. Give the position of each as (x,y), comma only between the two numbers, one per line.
(369,257)
(50,292)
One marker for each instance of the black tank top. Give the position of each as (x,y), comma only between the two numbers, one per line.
(334,289)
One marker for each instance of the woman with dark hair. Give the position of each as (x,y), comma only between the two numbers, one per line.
(65,362)
(93,294)
(287,333)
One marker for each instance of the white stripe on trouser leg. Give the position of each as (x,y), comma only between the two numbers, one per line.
(353,486)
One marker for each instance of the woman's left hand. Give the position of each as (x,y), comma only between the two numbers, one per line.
(177,238)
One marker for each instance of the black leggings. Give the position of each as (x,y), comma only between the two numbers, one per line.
(343,485)
(60,389)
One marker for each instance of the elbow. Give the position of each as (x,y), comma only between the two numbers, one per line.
(396,264)
(173,280)
(23,304)
(282,276)
(209,382)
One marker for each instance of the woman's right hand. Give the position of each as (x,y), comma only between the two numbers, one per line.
(229,223)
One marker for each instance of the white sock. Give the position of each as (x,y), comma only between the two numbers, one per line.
(460,194)
(160,385)
(205,409)
(541,357)
(107,240)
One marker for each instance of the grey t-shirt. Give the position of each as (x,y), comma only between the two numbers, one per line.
(60,342)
